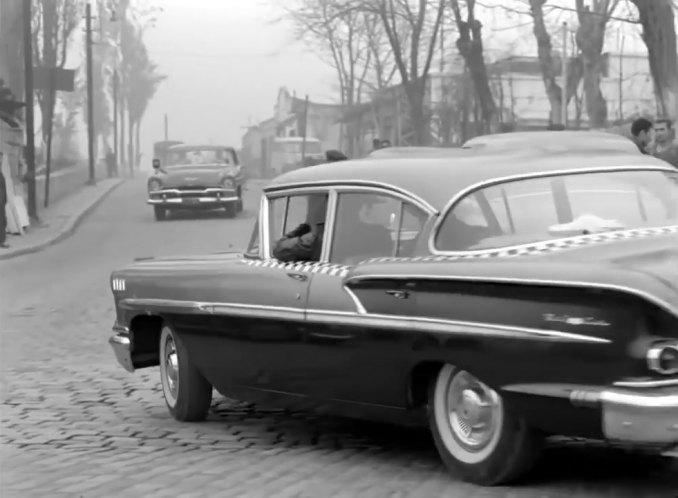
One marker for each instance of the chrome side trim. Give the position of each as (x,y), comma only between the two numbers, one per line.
(358,304)
(355,186)
(531,281)
(527,176)
(647,383)
(357,319)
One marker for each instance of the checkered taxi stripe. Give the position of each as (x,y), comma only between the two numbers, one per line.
(544,247)
(303,266)
(524,250)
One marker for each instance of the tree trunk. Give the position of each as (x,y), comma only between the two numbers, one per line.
(130,143)
(549,69)
(590,39)
(659,35)
(470,46)
(416,93)
(137,143)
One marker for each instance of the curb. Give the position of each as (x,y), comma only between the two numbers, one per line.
(69,229)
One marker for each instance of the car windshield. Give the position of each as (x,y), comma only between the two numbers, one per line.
(199,157)
(538,209)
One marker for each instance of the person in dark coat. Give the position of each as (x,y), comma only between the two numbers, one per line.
(3,212)
(304,243)
(334,156)
(641,134)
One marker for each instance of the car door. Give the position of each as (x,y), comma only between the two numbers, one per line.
(349,358)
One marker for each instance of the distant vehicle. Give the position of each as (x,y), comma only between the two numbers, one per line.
(554,141)
(404,152)
(196,177)
(501,301)
(287,153)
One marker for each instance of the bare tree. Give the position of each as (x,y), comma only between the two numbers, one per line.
(549,68)
(53,25)
(593,18)
(659,34)
(470,46)
(412,57)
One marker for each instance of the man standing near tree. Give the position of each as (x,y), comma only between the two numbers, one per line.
(3,209)
(665,147)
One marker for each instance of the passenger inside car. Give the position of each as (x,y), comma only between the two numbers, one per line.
(304,243)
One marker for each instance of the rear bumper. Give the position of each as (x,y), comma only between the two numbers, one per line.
(121,342)
(640,416)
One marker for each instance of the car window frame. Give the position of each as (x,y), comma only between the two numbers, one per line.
(334,190)
(480,186)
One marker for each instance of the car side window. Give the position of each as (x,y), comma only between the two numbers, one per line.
(287,213)
(370,225)
(253,246)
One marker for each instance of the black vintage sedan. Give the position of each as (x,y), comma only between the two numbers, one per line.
(500,301)
(196,177)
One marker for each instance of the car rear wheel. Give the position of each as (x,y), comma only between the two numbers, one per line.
(160,213)
(187,393)
(477,438)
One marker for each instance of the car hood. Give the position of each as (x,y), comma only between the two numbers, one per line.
(203,175)
(642,262)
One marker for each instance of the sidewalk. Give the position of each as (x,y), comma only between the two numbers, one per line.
(59,220)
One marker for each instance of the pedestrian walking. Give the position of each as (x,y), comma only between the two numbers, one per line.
(3,210)
(111,164)
(665,147)
(641,134)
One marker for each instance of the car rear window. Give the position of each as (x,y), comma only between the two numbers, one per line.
(537,209)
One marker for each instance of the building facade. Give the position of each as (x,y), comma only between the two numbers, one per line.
(292,117)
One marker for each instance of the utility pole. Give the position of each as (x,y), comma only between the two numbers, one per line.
(90,94)
(115,117)
(303,139)
(30,121)
(166,128)
(564,71)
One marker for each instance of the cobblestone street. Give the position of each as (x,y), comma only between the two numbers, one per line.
(75,424)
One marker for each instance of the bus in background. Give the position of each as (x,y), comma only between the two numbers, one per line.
(287,153)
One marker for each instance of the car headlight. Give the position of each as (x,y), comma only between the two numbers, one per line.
(154,185)
(663,359)
(228,183)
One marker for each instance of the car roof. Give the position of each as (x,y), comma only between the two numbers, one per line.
(199,146)
(435,180)
(555,141)
(415,152)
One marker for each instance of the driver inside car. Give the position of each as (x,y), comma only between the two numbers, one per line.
(304,243)
(368,238)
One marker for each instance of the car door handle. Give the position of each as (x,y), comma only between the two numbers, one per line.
(398,294)
(331,337)
(301,277)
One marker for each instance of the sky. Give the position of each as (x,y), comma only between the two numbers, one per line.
(225,61)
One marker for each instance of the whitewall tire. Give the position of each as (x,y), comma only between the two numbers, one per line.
(477,438)
(187,393)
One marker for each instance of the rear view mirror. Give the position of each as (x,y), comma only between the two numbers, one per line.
(156,163)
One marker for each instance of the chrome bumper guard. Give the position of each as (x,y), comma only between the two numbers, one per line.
(122,347)
(192,197)
(647,416)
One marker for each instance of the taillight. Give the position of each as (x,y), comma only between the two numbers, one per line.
(663,358)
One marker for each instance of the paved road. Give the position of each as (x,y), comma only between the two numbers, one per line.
(76,424)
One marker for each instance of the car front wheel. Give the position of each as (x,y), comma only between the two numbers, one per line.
(477,438)
(187,393)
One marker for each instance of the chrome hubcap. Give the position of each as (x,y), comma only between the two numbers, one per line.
(474,412)
(171,366)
